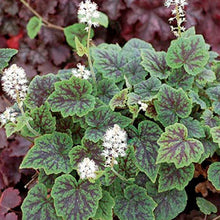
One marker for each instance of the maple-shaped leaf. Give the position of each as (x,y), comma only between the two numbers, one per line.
(172,104)
(9,199)
(145,142)
(214,95)
(155,63)
(173,178)
(43,122)
(209,119)
(100,120)
(119,100)
(179,78)
(195,130)
(205,206)
(87,149)
(75,200)
(5,56)
(109,60)
(191,53)
(177,148)
(216,134)
(135,204)
(37,205)
(39,90)
(50,152)
(72,97)
(148,89)
(106,89)
(214,174)
(105,207)
(196,99)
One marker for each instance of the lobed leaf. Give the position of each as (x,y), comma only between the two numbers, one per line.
(209,119)
(196,99)
(205,206)
(34,26)
(5,55)
(214,95)
(214,174)
(119,100)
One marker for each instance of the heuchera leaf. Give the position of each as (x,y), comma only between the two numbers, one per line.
(135,204)
(119,100)
(172,104)
(196,99)
(205,206)
(173,178)
(33,27)
(106,204)
(109,61)
(147,147)
(75,200)
(50,152)
(155,63)
(5,56)
(205,76)
(72,97)
(148,89)
(47,180)
(39,90)
(100,120)
(177,148)
(180,79)
(214,95)
(216,134)
(214,174)
(191,53)
(106,89)
(37,205)
(209,119)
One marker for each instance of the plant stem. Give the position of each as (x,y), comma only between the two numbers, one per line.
(46,23)
(178,19)
(216,218)
(118,175)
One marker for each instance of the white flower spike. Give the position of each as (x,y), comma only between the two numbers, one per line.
(8,115)
(81,72)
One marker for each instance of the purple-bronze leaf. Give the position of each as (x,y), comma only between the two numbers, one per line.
(177,148)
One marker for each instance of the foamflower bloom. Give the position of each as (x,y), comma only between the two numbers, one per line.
(81,72)
(9,115)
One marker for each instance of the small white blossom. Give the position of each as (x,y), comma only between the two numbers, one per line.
(115,144)
(8,115)
(81,72)
(87,12)
(143,106)
(14,82)
(87,169)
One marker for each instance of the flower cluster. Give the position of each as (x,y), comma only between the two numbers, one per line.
(115,145)
(143,106)
(81,72)
(88,12)
(14,82)
(8,115)
(87,169)
(179,15)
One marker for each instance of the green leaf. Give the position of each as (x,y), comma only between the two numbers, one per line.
(209,119)
(214,174)
(100,120)
(148,89)
(80,49)
(119,100)
(180,79)
(196,99)
(177,148)
(37,205)
(191,53)
(109,61)
(205,206)
(155,63)
(43,122)
(102,19)
(50,152)
(5,56)
(33,27)
(189,32)
(135,204)
(39,90)
(195,130)
(47,180)
(146,146)
(216,134)
(214,95)
(106,204)
(72,97)
(205,76)
(172,178)
(76,30)
(106,89)
(172,104)
(75,200)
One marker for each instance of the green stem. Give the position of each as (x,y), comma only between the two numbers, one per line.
(118,175)
(177,19)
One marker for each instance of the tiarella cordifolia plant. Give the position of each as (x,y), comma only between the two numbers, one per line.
(124,141)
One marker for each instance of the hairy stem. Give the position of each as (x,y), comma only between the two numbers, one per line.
(119,175)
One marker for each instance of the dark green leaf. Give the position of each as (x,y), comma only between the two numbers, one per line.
(33,27)
(5,56)
(119,100)
(50,152)
(214,174)
(177,148)
(205,206)
(75,200)
(47,180)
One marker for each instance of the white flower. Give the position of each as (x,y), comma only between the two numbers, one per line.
(143,106)
(87,12)
(14,82)
(115,144)
(81,72)
(8,115)
(87,169)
